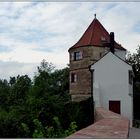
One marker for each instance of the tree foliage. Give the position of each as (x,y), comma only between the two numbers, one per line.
(134,60)
(33,109)
(39,108)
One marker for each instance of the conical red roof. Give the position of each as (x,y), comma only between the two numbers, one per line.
(95,35)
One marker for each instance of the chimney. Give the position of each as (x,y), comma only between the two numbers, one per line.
(112,42)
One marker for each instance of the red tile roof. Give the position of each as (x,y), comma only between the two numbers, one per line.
(95,35)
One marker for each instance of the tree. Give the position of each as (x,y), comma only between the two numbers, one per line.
(48,94)
(134,60)
(19,89)
(12,80)
(36,109)
(4,93)
(45,67)
(60,81)
(50,81)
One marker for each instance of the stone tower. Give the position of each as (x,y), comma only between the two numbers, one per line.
(93,44)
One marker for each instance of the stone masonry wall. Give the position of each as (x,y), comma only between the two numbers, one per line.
(82,88)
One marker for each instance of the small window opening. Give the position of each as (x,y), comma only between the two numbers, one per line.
(73,78)
(100,54)
(77,55)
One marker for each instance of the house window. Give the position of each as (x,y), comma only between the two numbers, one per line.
(76,55)
(130,77)
(73,78)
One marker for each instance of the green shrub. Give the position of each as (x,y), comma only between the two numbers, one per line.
(80,112)
(54,131)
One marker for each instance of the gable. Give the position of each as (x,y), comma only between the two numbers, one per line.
(110,60)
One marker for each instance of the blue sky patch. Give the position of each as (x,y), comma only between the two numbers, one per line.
(136,27)
(45,27)
(110,6)
(43,49)
(5,49)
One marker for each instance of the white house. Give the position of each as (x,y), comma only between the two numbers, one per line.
(113,85)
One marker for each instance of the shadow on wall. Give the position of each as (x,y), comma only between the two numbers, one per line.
(136,98)
(136,101)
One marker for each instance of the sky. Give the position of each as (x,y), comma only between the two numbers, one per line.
(33,31)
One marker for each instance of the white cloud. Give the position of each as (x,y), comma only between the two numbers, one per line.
(46,30)
(121,19)
(12,68)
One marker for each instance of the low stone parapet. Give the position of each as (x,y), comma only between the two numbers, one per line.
(107,125)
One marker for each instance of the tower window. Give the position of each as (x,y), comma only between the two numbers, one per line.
(73,78)
(77,55)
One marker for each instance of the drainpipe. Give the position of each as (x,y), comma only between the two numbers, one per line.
(134,82)
(92,101)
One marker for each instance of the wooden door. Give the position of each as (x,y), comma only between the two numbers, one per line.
(114,106)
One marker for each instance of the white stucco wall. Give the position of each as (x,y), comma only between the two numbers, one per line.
(111,76)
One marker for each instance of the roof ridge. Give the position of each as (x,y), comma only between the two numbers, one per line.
(103,28)
(92,31)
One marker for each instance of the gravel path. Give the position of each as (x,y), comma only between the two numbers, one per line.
(134,133)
